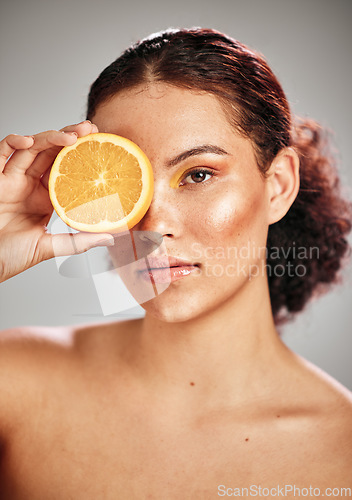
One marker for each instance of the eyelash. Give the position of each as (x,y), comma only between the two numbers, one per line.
(196,171)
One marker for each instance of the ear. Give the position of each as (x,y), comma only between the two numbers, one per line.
(282,183)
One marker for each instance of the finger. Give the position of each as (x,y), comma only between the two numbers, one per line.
(21,160)
(38,158)
(83,128)
(71,244)
(45,158)
(45,179)
(10,144)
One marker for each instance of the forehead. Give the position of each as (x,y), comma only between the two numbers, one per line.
(160,115)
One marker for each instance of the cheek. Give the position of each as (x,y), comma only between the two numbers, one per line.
(222,215)
(230,221)
(227,215)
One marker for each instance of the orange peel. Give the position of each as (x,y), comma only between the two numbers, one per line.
(102,183)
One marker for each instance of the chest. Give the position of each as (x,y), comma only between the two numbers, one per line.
(76,449)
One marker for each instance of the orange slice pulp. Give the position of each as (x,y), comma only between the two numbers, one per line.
(102,183)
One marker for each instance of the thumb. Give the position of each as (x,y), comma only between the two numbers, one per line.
(71,244)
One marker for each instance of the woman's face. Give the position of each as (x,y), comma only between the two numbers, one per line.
(217,219)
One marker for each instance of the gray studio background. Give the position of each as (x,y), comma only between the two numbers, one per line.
(50,52)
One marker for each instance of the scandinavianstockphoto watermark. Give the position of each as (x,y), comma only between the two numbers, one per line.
(286,490)
(252,261)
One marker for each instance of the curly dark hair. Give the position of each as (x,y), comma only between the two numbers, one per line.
(256,105)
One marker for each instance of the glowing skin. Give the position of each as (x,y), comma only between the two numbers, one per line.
(227,209)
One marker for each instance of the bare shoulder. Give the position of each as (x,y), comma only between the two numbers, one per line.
(331,397)
(25,356)
(34,357)
(325,431)
(35,340)
(21,346)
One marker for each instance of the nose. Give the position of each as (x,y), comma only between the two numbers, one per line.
(157,225)
(161,217)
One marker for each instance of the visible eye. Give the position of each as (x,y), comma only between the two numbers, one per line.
(197,176)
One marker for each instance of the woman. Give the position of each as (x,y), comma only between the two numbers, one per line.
(200,398)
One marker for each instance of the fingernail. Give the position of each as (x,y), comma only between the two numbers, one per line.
(29,137)
(105,242)
(72,133)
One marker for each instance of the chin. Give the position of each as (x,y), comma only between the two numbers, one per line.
(184,300)
(175,302)
(188,306)
(169,311)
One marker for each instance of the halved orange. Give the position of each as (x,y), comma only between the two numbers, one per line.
(102,183)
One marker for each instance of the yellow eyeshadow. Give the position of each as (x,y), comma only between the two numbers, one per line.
(176,179)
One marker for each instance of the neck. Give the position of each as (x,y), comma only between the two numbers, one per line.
(224,353)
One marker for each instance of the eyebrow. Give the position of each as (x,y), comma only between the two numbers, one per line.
(204,148)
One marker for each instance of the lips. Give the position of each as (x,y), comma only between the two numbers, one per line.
(165,262)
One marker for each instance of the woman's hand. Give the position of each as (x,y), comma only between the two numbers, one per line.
(25,206)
